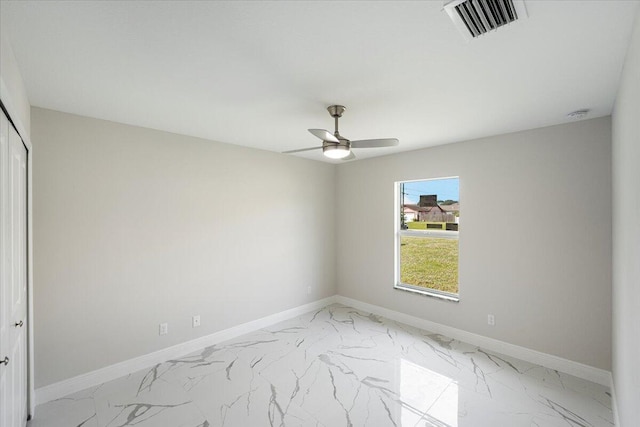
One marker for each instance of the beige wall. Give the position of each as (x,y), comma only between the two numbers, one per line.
(626,237)
(134,227)
(544,271)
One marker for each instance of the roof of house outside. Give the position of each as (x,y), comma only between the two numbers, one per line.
(451,208)
(417,208)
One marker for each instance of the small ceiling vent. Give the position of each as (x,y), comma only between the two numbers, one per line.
(477,17)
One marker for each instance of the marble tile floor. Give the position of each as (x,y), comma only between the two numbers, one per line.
(337,367)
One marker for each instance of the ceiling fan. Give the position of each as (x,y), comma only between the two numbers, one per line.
(335,146)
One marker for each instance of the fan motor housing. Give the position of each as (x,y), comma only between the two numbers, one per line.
(344,142)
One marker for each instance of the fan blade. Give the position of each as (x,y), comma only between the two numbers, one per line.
(301,149)
(351,156)
(375,143)
(324,135)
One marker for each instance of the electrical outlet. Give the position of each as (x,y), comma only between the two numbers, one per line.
(164,328)
(491,320)
(195,321)
(308,290)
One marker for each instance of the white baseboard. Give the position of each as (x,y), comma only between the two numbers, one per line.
(108,373)
(577,369)
(614,402)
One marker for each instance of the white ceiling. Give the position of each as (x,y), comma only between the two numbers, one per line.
(260,73)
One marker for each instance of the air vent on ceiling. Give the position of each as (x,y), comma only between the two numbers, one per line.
(477,17)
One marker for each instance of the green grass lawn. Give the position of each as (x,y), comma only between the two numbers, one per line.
(429,262)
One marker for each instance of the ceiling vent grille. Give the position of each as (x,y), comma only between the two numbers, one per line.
(477,17)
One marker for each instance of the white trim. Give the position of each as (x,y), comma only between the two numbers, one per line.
(614,401)
(108,373)
(7,101)
(427,292)
(30,344)
(577,369)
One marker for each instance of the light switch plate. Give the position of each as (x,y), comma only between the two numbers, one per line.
(164,328)
(491,320)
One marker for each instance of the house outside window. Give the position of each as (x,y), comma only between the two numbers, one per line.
(426,238)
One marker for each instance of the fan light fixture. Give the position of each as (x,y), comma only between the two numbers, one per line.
(335,151)
(336,146)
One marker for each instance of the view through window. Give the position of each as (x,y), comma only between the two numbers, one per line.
(427,236)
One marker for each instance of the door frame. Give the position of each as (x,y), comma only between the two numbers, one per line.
(12,113)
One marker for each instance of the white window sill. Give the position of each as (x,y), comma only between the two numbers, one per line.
(428,292)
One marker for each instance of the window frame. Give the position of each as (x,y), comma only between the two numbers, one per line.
(399,233)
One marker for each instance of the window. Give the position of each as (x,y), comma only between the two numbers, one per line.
(427,229)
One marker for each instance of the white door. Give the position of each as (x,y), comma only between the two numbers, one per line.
(13,280)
